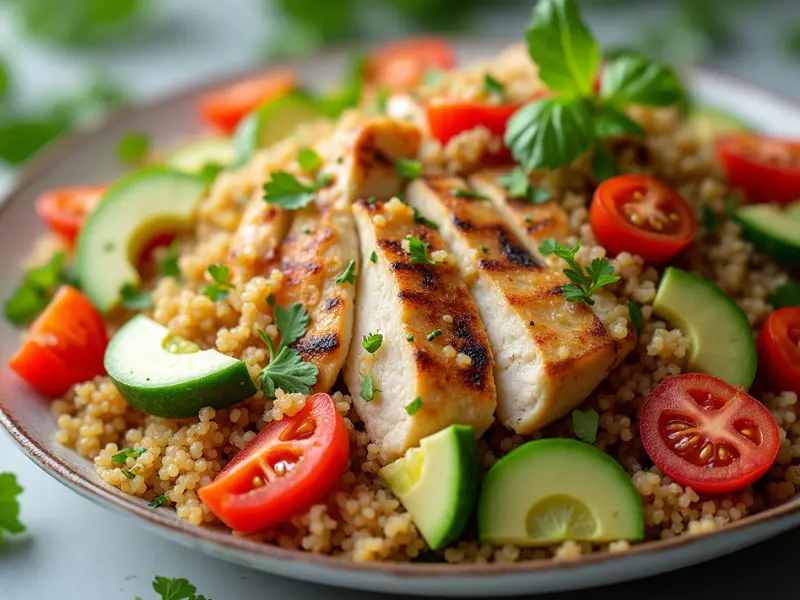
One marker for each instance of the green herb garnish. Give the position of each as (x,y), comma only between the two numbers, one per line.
(414,406)
(372,342)
(420,218)
(418,251)
(135,299)
(157,501)
(9,505)
(309,160)
(121,457)
(408,168)
(219,290)
(349,274)
(433,334)
(518,185)
(410,337)
(785,295)
(599,274)
(34,293)
(373,257)
(175,589)
(132,148)
(635,315)
(284,190)
(169,264)
(492,87)
(584,423)
(368,388)
(709,218)
(469,195)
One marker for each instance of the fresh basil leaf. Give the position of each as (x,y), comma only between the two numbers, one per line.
(551,133)
(5,81)
(21,139)
(563,47)
(604,165)
(635,79)
(611,122)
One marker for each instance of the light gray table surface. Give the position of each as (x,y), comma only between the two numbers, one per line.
(76,550)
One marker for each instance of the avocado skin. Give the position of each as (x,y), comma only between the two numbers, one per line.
(184,400)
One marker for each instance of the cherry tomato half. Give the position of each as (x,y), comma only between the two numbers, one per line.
(641,215)
(287,468)
(66,209)
(707,434)
(779,349)
(65,346)
(765,169)
(222,109)
(399,66)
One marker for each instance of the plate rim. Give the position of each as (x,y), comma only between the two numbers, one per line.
(101,494)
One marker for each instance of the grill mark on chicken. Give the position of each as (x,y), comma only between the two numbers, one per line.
(514,252)
(332,303)
(318,345)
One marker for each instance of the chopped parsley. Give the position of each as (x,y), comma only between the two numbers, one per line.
(169,264)
(284,190)
(518,185)
(134,298)
(33,294)
(492,87)
(418,251)
(414,406)
(408,168)
(585,283)
(420,218)
(469,195)
(410,337)
(635,314)
(786,295)
(128,475)
(219,290)
(121,457)
(382,100)
(271,300)
(132,148)
(584,423)
(157,501)
(373,257)
(433,334)
(372,342)
(9,505)
(349,274)
(286,369)
(175,589)
(368,388)
(309,160)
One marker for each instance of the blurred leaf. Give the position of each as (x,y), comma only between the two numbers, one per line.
(443,15)
(132,148)
(293,39)
(21,139)
(96,100)
(793,39)
(328,18)
(5,82)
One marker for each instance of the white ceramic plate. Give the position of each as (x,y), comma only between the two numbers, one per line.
(89,157)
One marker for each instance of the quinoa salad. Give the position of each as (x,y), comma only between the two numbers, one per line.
(535,307)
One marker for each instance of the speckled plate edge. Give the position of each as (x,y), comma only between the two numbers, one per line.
(422,579)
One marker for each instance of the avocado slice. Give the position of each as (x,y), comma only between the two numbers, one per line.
(722,341)
(195,156)
(272,122)
(548,491)
(438,483)
(134,210)
(773,230)
(168,376)
(708,123)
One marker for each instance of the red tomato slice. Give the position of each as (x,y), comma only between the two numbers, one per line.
(779,350)
(65,346)
(290,466)
(765,169)
(399,66)
(446,119)
(707,434)
(66,209)
(641,215)
(223,109)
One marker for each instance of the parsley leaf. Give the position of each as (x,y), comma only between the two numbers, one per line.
(157,501)
(132,148)
(174,589)
(221,275)
(414,406)
(584,423)
(128,475)
(408,168)
(121,457)
(469,195)
(516,182)
(604,165)
(418,251)
(292,323)
(169,264)
(34,293)
(134,298)
(708,218)
(599,274)
(284,190)
(382,100)
(372,342)
(634,79)
(288,372)
(563,47)
(368,388)
(635,314)
(309,160)
(550,133)
(492,87)
(9,505)
(786,295)
(433,335)
(373,258)
(349,274)
(420,218)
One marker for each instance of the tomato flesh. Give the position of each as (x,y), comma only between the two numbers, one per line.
(779,350)
(288,467)
(223,109)
(65,346)
(641,215)
(64,210)
(765,169)
(707,434)
(399,66)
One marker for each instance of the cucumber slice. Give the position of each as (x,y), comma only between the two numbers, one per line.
(722,342)
(438,483)
(273,122)
(133,211)
(194,156)
(772,230)
(170,377)
(709,123)
(548,491)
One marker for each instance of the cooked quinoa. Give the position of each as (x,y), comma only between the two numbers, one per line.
(360,519)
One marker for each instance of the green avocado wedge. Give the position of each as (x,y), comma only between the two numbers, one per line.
(437,483)
(722,342)
(773,230)
(170,377)
(549,491)
(136,209)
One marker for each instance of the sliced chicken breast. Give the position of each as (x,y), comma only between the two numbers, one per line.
(533,224)
(434,367)
(549,353)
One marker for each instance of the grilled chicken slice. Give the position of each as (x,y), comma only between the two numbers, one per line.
(434,344)
(533,224)
(549,354)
